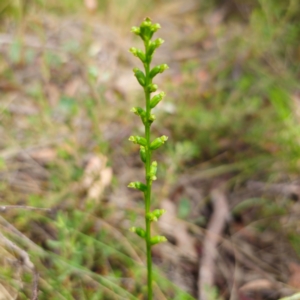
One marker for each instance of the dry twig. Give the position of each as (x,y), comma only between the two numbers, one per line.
(215,229)
(283,189)
(8,207)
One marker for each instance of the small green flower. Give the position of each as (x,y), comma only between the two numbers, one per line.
(140,76)
(152,118)
(156,99)
(155,27)
(139,231)
(138,53)
(143,154)
(138,140)
(154,45)
(152,88)
(158,142)
(154,215)
(136,30)
(138,186)
(158,239)
(138,111)
(158,69)
(153,170)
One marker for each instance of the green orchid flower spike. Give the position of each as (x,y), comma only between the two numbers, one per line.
(145,31)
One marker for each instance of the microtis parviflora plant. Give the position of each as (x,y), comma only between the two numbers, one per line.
(145,31)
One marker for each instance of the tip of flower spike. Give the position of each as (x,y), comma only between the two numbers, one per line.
(154,163)
(164,138)
(146,23)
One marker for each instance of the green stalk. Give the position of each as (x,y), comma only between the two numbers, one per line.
(146,31)
(147,195)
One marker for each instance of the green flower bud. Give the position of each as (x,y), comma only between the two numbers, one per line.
(152,87)
(151,217)
(140,76)
(146,23)
(154,215)
(139,231)
(158,69)
(158,42)
(153,170)
(138,186)
(152,118)
(138,53)
(138,140)
(153,45)
(141,55)
(136,30)
(158,239)
(158,212)
(156,99)
(158,142)
(155,27)
(138,111)
(146,29)
(133,50)
(143,154)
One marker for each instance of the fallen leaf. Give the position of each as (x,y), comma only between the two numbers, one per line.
(294,280)
(53,94)
(43,155)
(91,5)
(72,87)
(96,177)
(257,285)
(23,109)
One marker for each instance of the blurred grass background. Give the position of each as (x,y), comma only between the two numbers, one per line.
(66,88)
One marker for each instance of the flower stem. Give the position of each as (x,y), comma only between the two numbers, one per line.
(148,179)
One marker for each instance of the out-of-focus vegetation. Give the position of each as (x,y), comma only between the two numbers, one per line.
(232,115)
